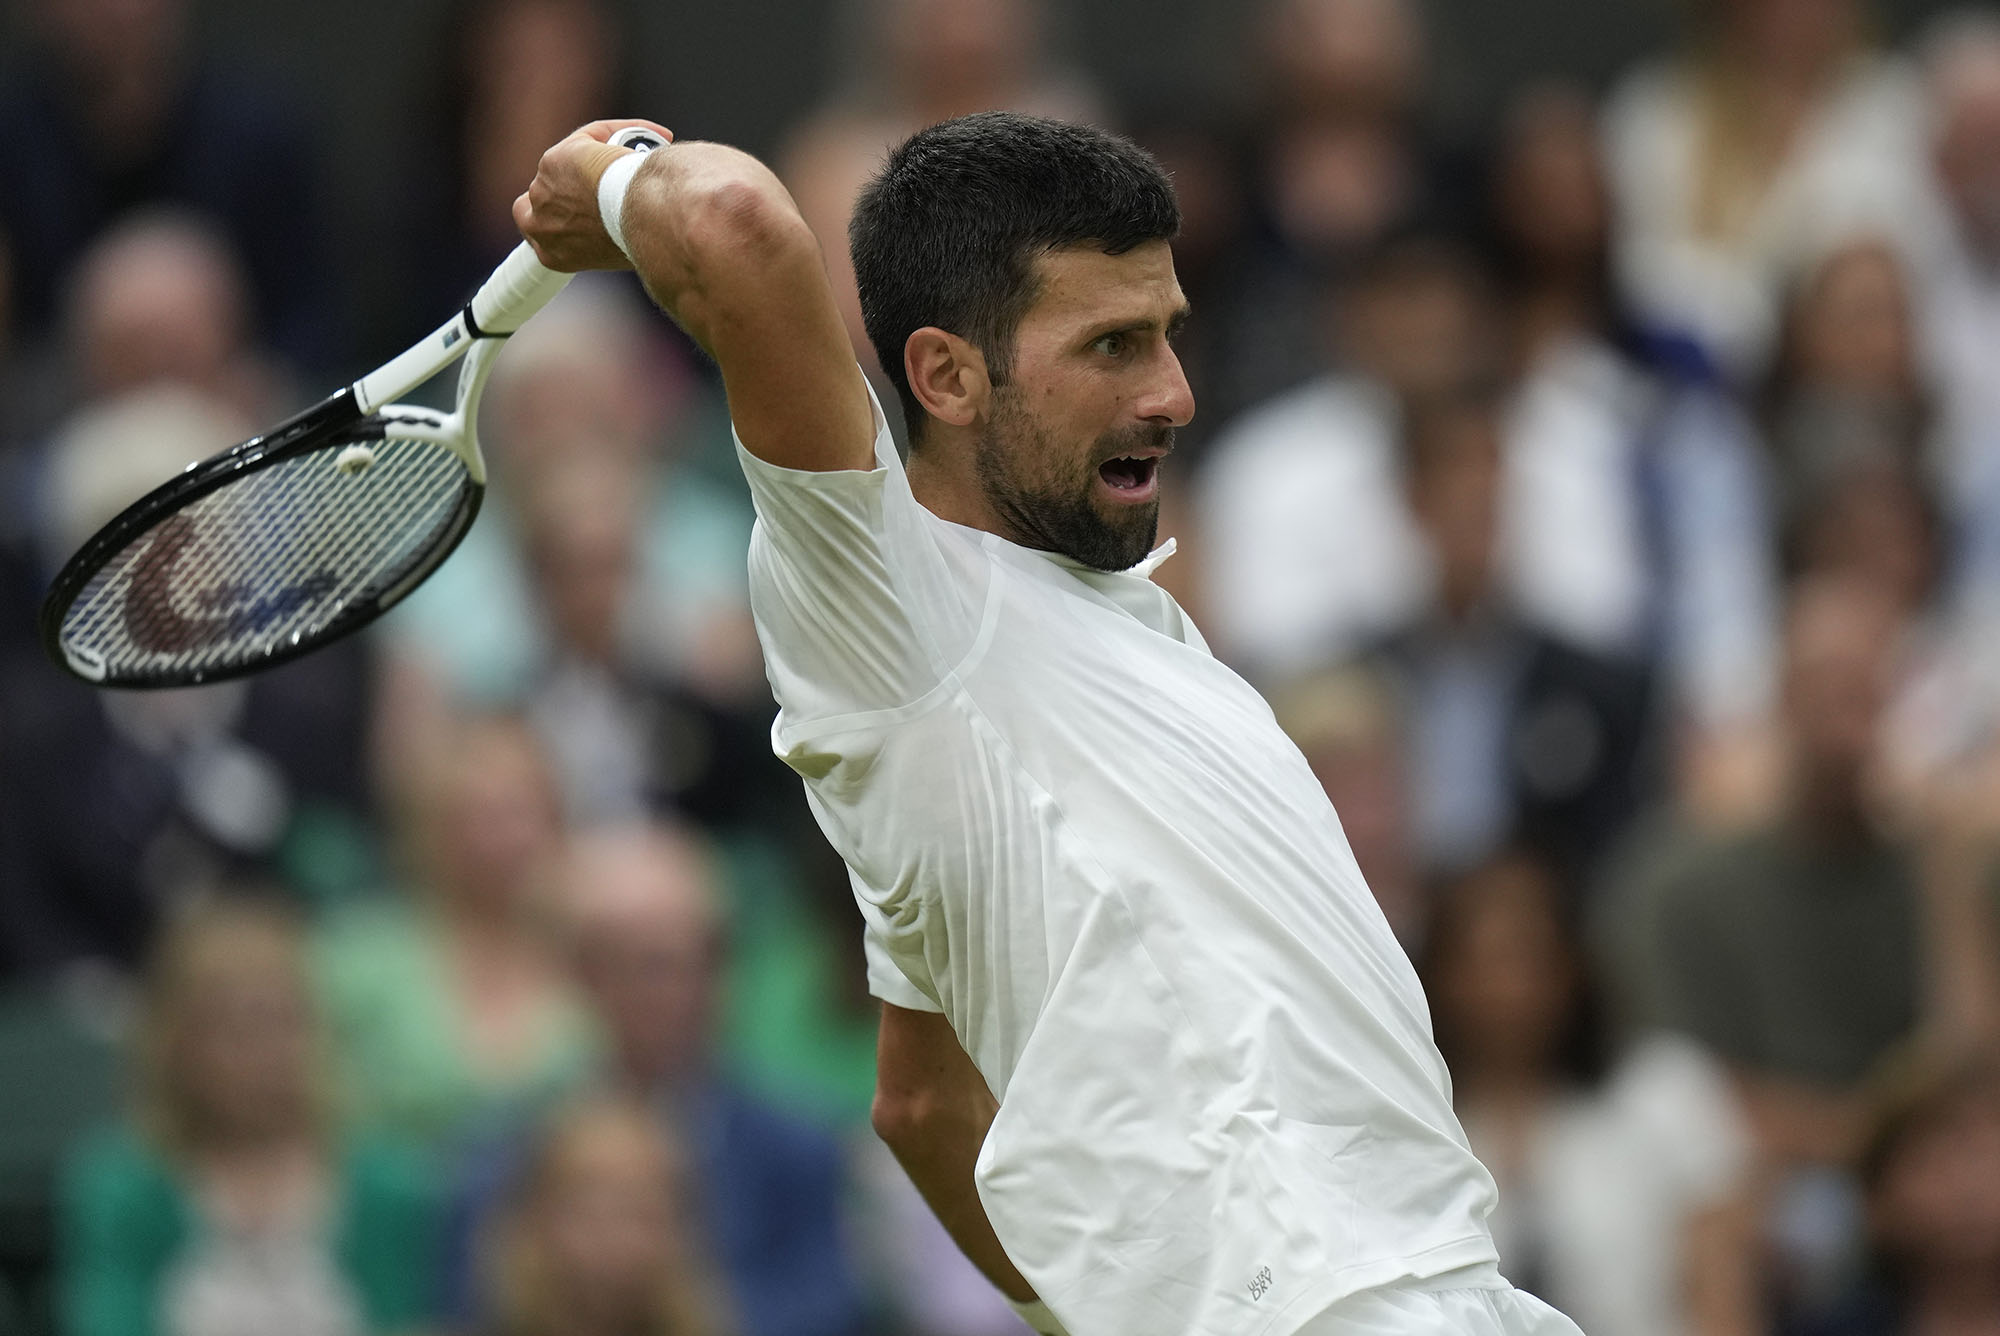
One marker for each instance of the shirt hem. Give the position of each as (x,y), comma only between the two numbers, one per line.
(1416,1269)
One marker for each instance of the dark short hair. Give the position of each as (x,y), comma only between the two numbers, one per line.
(946,235)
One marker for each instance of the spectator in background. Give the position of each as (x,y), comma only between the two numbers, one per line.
(920,62)
(116,801)
(1774,132)
(1845,360)
(1307,546)
(161,296)
(450,1010)
(235,1205)
(1355,736)
(1665,476)
(1337,160)
(596,1240)
(517,75)
(107,111)
(1960,279)
(1793,950)
(1622,1176)
(1805,948)
(1932,1173)
(587,390)
(625,737)
(1515,734)
(646,938)
(1851,431)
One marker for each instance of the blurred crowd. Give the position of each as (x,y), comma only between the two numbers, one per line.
(1607,501)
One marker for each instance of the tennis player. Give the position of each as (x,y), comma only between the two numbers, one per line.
(1148,1047)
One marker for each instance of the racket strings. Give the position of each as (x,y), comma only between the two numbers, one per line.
(267,561)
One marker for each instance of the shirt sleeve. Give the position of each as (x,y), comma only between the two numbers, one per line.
(886,979)
(859,602)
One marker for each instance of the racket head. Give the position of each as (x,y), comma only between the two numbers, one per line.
(268,550)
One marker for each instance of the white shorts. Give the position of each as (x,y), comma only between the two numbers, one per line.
(1470,1302)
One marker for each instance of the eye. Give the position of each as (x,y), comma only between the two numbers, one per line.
(1111,345)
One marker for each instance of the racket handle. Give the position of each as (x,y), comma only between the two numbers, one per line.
(523,285)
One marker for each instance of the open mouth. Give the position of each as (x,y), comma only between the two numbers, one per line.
(1130,476)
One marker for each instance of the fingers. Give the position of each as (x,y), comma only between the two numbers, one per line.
(603,130)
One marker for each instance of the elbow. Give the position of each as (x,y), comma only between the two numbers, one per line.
(898,1117)
(746,217)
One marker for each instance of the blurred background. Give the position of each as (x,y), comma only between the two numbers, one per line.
(1597,464)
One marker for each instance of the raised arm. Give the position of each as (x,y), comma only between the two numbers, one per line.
(721,246)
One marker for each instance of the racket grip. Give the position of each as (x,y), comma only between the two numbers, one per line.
(521,286)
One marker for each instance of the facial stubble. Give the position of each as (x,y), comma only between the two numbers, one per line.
(1045,498)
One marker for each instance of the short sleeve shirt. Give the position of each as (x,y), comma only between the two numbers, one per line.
(1086,842)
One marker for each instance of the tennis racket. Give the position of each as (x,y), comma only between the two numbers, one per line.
(306,533)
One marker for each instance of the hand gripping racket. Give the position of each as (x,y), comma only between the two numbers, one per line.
(303,534)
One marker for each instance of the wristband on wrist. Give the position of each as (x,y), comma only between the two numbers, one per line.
(1037,1315)
(611,189)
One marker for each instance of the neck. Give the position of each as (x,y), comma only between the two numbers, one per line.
(1830,808)
(941,478)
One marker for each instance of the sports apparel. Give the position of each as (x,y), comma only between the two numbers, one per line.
(1474,1302)
(1087,842)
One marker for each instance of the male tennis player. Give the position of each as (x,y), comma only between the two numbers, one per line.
(1148,1046)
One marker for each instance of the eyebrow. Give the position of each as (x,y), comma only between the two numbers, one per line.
(1174,324)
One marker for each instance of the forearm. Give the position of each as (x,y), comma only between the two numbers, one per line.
(937,1149)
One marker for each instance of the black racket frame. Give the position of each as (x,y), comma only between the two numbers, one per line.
(335,420)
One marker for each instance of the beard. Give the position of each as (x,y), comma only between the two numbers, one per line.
(1047,498)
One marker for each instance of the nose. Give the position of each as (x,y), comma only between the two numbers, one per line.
(1170,401)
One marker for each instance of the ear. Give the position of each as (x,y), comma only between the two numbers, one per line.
(947,375)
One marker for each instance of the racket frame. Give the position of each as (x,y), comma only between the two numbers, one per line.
(518,288)
(360,412)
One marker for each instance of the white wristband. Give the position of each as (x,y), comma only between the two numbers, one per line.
(611,188)
(1037,1315)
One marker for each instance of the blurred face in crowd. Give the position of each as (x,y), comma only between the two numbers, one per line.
(1346,58)
(582,540)
(1966,90)
(953,56)
(601,1229)
(647,945)
(497,815)
(1935,1203)
(1452,455)
(1551,198)
(1069,455)
(104,41)
(1420,324)
(536,70)
(159,300)
(1503,975)
(1850,324)
(1787,38)
(237,1034)
(1841,638)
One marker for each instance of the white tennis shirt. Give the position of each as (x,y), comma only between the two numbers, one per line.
(1088,844)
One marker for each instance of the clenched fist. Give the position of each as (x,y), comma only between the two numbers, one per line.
(558,211)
